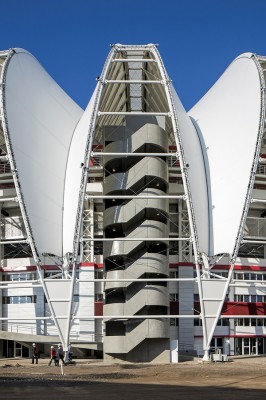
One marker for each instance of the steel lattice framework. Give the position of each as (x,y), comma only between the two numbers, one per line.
(38,118)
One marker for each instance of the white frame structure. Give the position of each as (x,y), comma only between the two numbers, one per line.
(190,132)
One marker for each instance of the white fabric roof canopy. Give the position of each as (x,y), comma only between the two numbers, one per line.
(41,120)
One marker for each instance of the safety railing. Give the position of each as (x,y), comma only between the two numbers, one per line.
(39,328)
(5,168)
(173,162)
(261,170)
(28,329)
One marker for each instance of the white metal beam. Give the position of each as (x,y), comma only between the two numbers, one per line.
(142,113)
(134,239)
(138,60)
(136,81)
(136,196)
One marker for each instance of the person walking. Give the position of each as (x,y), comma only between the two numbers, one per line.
(35,353)
(60,354)
(70,353)
(52,356)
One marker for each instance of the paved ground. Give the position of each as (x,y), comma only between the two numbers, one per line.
(238,379)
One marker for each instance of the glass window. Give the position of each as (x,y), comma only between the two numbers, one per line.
(20,299)
(173,274)
(173,321)
(196,297)
(174,248)
(14,277)
(23,300)
(14,300)
(173,297)
(21,277)
(98,274)
(51,274)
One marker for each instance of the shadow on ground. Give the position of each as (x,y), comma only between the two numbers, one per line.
(24,388)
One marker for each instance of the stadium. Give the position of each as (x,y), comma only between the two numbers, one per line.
(134,229)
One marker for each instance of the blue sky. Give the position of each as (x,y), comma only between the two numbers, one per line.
(197,38)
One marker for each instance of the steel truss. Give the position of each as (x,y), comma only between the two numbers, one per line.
(164,82)
(19,197)
(203,273)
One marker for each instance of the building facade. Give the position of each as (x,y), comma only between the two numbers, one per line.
(133,229)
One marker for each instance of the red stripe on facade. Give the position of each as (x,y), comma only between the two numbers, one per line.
(100,266)
(222,267)
(237,308)
(234,336)
(91,264)
(45,267)
(176,265)
(234,308)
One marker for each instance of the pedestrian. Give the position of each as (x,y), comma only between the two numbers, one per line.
(60,354)
(52,356)
(35,353)
(70,353)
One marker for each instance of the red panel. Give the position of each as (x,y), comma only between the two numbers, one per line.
(185,264)
(233,336)
(91,264)
(174,307)
(98,308)
(222,267)
(234,308)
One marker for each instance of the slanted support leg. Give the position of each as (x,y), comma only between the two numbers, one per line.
(206,356)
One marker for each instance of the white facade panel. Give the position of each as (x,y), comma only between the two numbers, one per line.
(228,119)
(186,307)
(86,303)
(41,119)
